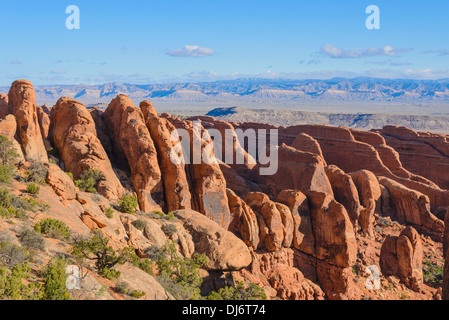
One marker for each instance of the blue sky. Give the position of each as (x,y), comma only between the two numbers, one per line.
(166,41)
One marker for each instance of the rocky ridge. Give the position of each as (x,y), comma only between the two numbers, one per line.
(341,203)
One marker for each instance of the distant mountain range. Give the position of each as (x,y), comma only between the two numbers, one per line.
(361,121)
(259,91)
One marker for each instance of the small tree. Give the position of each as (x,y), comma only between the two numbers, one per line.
(55,279)
(8,154)
(128,204)
(89,180)
(97,249)
(36,173)
(8,157)
(33,189)
(53,228)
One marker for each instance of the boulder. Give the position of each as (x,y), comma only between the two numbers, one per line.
(60,181)
(222,248)
(402,256)
(290,284)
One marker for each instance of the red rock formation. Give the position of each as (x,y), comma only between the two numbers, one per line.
(418,150)
(306,143)
(207,182)
(334,236)
(44,122)
(290,284)
(3,105)
(296,170)
(231,151)
(176,187)
(303,238)
(269,218)
(351,150)
(413,207)
(73,134)
(367,186)
(277,270)
(61,183)
(445,286)
(222,248)
(244,221)
(131,140)
(345,192)
(22,104)
(8,128)
(402,256)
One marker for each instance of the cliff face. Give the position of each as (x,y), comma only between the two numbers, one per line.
(336,206)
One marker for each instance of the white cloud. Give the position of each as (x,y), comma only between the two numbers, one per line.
(440,52)
(335,52)
(191,51)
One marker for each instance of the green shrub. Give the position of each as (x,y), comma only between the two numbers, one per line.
(128,204)
(6,173)
(36,173)
(432,273)
(33,189)
(55,279)
(137,294)
(240,292)
(140,224)
(53,152)
(53,228)
(30,239)
(12,285)
(89,180)
(12,254)
(109,273)
(169,229)
(109,212)
(184,272)
(97,197)
(146,265)
(8,154)
(122,287)
(155,253)
(97,248)
(70,175)
(14,207)
(170,216)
